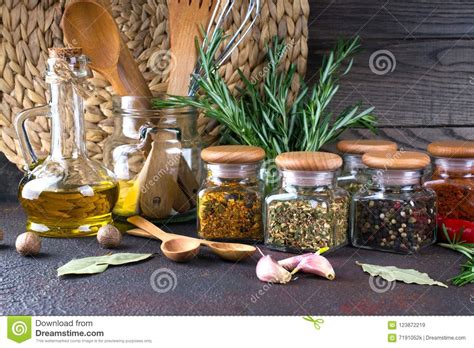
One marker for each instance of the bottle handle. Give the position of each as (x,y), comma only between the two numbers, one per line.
(29,155)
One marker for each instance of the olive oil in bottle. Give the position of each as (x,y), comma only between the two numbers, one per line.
(67,194)
(69,213)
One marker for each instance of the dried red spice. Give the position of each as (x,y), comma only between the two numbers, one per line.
(453,181)
(455,199)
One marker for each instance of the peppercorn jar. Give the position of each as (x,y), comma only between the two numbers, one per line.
(155,155)
(309,211)
(230,199)
(453,181)
(352,176)
(396,213)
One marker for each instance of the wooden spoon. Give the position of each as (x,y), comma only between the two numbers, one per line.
(176,243)
(185,19)
(176,248)
(89,25)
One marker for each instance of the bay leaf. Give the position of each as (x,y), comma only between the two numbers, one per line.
(98,264)
(391,273)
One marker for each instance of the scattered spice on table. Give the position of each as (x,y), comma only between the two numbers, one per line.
(395,225)
(230,212)
(308,224)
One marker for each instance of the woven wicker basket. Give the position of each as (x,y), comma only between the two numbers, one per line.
(29,27)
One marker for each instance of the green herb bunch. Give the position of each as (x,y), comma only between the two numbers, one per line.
(264,112)
(466,275)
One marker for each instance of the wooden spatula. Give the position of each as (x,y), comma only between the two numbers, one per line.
(186,18)
(185,21)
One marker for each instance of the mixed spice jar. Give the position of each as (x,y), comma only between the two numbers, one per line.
(453,181)
(352,177)
(309,211)
(230,200)
(396,213)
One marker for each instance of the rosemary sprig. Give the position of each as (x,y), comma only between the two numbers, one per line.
(265,113)
(456,243)
(466,276)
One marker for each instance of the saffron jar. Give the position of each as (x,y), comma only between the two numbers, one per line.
(395,213)
(351,177)
(230,199)
(309,211)
(453,181)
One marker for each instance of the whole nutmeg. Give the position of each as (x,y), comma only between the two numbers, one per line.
(109,236)
(28,243)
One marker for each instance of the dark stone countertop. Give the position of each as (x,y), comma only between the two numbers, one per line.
(209,286)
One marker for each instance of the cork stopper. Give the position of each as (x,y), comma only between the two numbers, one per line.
(361,146)
(452,149)
(396,160)
(232,154)
(309,161)
(64,52)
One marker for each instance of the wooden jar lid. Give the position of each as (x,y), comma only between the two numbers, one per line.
(452,148)
(361,146)
(309,161)
(233,154)
(396,160)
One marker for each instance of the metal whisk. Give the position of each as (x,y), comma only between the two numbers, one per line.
(219,15)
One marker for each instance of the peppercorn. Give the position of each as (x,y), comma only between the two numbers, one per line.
(409,225)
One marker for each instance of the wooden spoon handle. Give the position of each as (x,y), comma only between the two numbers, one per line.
(150,228)
(118,85)
(138,232)
(128,71)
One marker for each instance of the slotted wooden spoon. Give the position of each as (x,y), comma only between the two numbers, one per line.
(186,18)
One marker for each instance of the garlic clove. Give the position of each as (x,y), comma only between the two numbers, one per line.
(268,270)
(316,264)
(291,262)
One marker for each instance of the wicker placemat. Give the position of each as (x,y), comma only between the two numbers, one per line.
(29,27)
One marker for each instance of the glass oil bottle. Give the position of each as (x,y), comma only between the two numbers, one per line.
(67,194)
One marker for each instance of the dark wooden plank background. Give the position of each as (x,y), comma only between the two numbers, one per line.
(432,82)
(429,94)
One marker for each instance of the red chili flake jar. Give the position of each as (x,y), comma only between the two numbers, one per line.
(453,181)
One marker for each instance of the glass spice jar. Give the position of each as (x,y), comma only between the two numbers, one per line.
(309,211)
(453,181)
(396,213)
(351,177)
(230,200)
(154,154)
